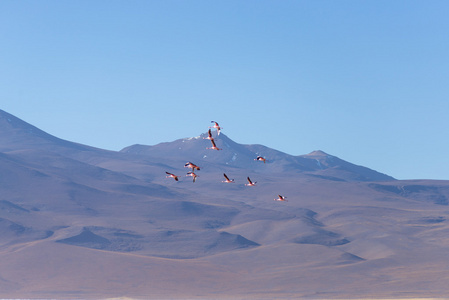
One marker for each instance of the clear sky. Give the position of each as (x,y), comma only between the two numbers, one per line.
(366,81)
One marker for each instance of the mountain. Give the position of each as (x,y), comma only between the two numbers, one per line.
(16,134)
(81,222)
(240,156)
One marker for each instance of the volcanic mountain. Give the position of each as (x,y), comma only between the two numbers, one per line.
(238,156)
(82,222)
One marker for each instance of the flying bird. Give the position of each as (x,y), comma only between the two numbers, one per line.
(227,179)
(192,166)
(216,126)
(260,158)
(209,136)
(281,198)
(193,175)
(172,176)
(250,183)
(214,147)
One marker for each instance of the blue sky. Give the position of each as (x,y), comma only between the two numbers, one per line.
(366,81)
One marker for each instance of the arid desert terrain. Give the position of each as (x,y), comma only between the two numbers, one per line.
(82,222)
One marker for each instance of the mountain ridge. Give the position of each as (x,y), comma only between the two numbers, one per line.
(16,134)
(242,156)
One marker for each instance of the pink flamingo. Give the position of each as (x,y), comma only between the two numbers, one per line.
(227,179)
(250,183)
(281,198)
(193,175)
(214,147)
(172,176)
(216,126)
(192,166)
(260,158)
(209,136)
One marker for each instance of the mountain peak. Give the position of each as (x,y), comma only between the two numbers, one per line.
(318,153)
(10,122)
(16,134)
(243,156)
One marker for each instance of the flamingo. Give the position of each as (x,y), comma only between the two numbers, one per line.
(209,136)
(281,198)
(250,183)
(193,175)
(216,126)
(227,179)
(214,147)
(172,176)
(260,158)
(192,166)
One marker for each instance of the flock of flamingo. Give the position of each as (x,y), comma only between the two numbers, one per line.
(214,147)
